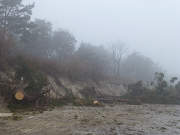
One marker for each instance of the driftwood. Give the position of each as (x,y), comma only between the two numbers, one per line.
(112,99)
(38,99)
(19,95)
(4,115)
(17,91)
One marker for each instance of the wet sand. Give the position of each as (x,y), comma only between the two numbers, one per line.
(108,120)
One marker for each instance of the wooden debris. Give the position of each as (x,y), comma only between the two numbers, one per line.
(96,102)
(19,95)
(3,115)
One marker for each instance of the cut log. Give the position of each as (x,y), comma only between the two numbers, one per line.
(96,102)
(19,95)
(3,115)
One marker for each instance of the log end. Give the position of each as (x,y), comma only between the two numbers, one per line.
(19,95)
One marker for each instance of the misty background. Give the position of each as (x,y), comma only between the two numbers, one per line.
(61,49)
(150,27)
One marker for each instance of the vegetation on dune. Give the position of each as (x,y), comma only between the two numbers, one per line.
(160,91)
(33,50)
(56,52)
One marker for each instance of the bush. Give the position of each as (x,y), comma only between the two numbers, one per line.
(162,93)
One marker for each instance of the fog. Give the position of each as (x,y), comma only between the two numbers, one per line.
(103,57)
(150,27)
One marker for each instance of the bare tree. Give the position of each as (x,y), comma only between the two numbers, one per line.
(119,50)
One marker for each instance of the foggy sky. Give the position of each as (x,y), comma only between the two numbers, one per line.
(151,27)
